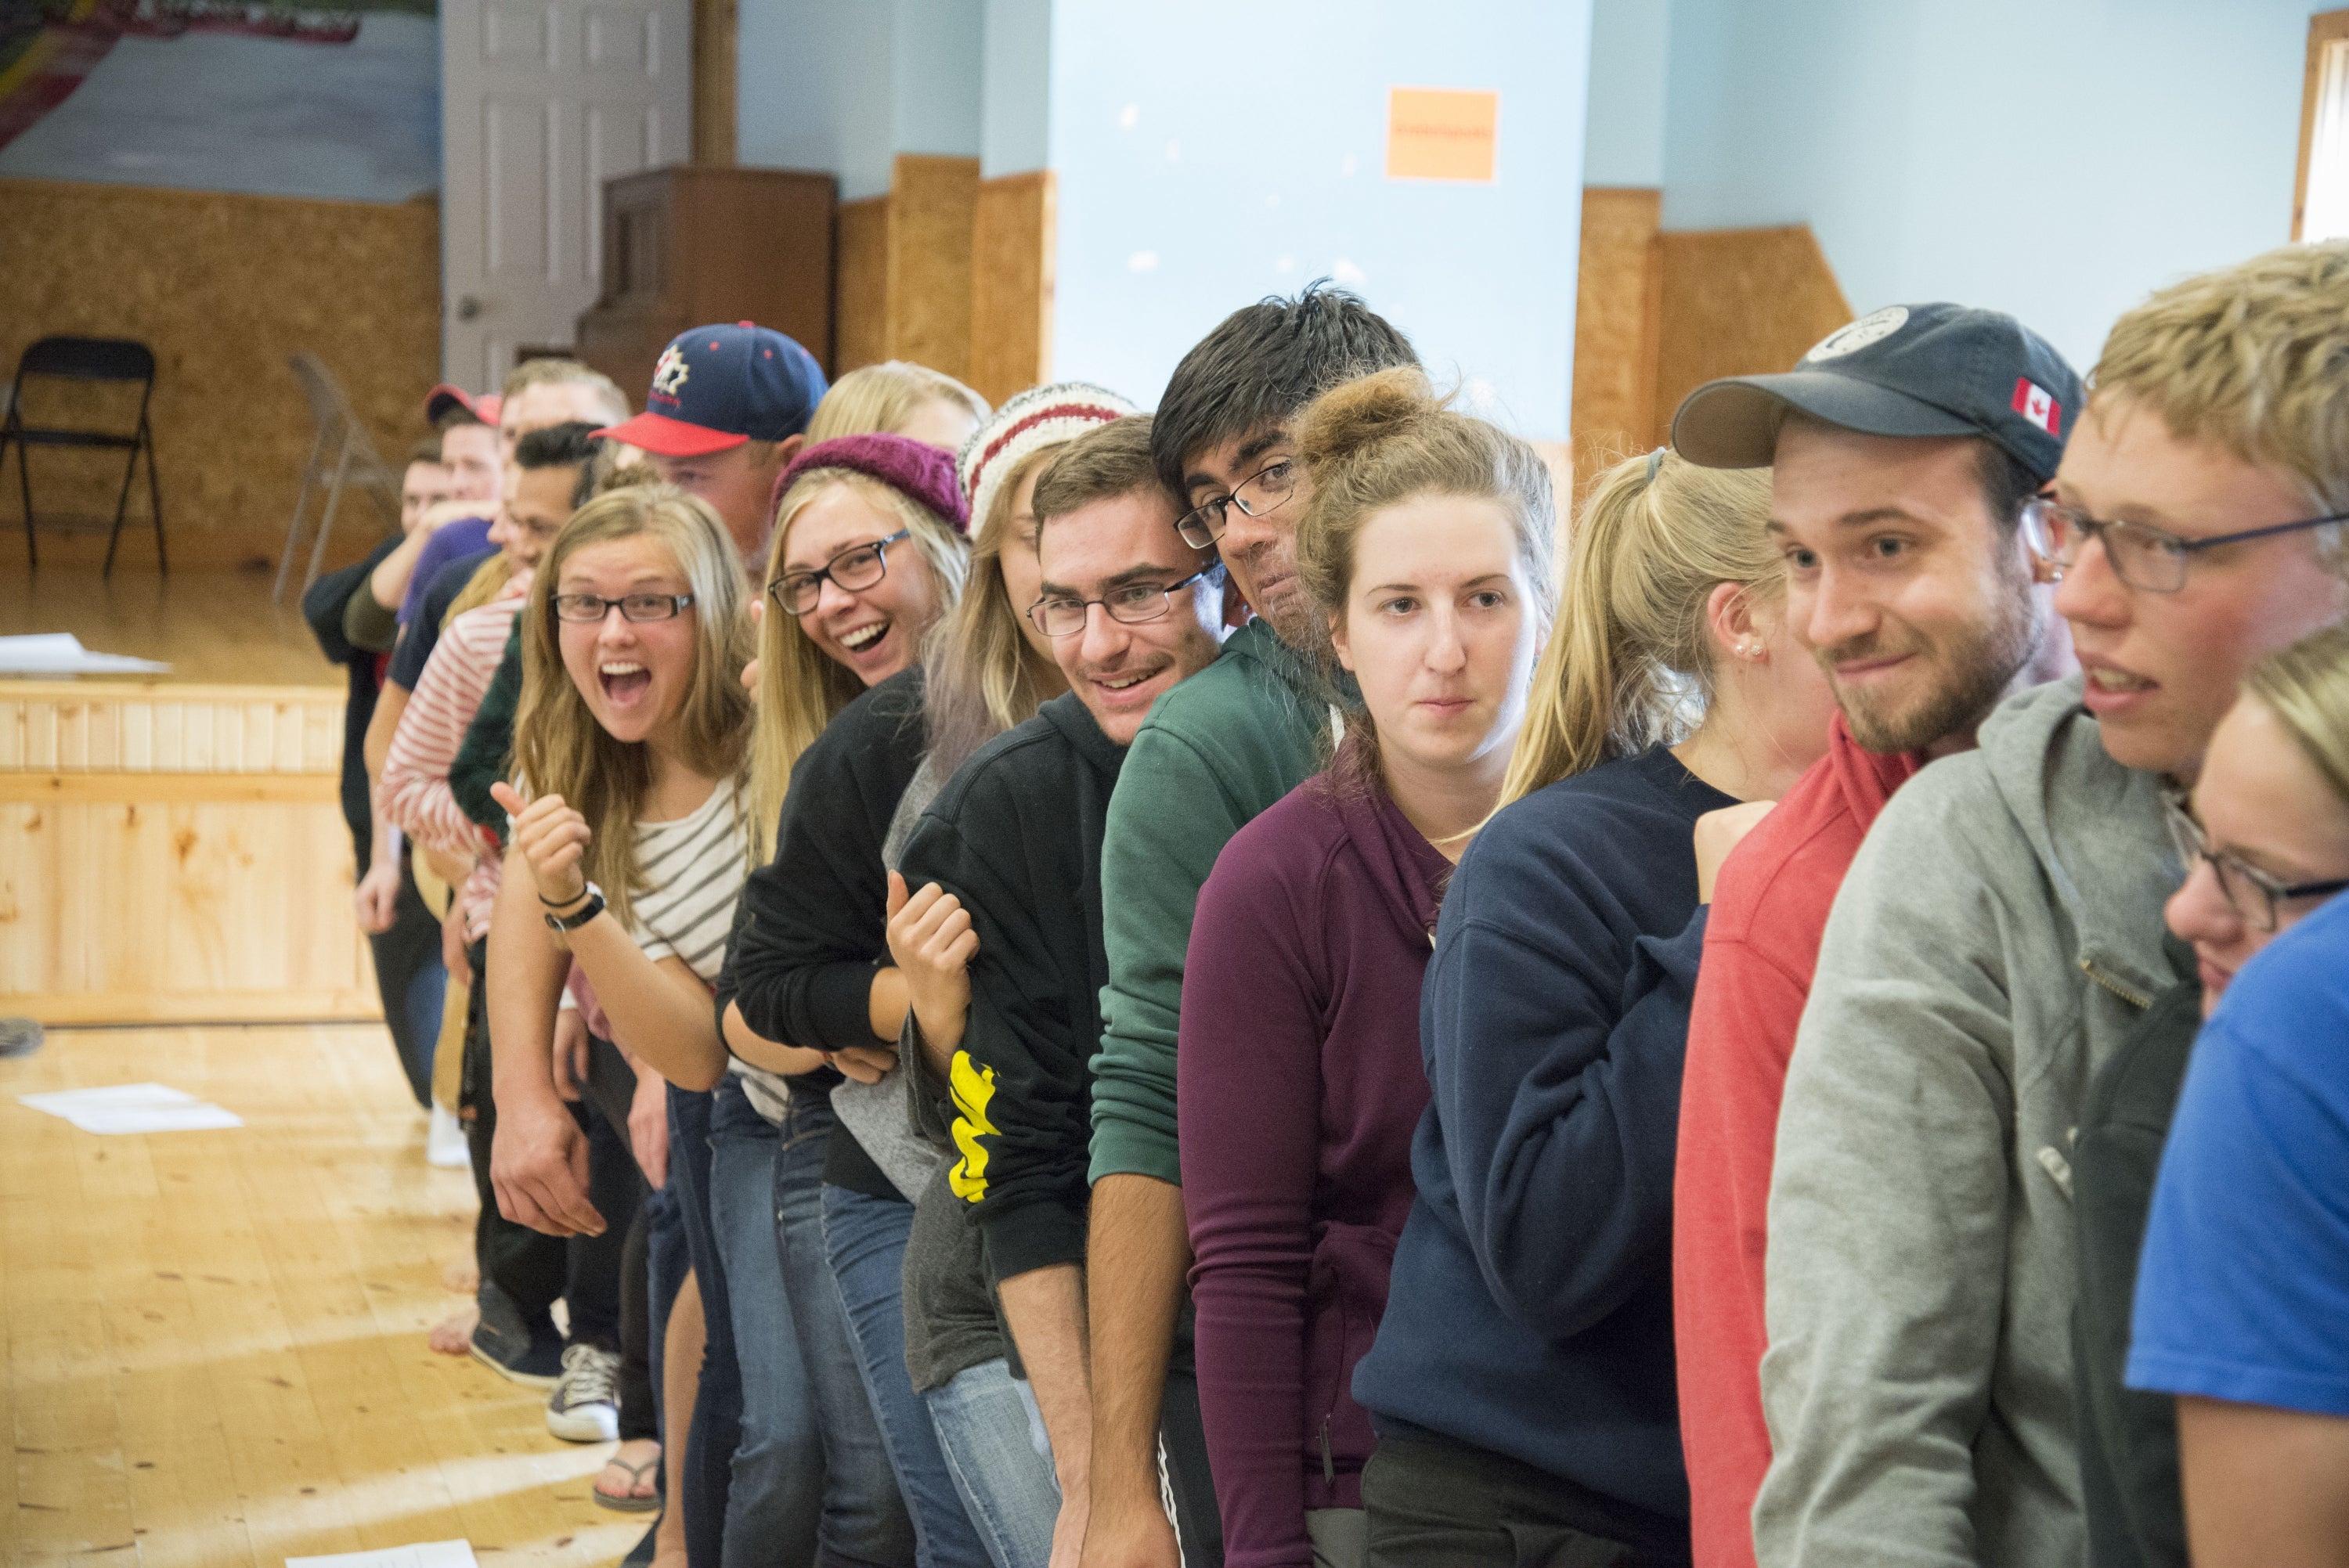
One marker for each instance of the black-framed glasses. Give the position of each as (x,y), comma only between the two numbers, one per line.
(858,566)
(1064,615)
(1261,492)
(587,609)
(2143,556)
(2253,893)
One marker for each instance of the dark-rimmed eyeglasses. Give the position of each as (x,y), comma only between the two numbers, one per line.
(1064,615)
(2253,893)
(2143,556)
(1262,491)
(587,609)
(858,566)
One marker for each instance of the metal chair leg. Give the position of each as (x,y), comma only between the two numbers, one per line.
(325,521)
(122,509)
(163,567)
(326,518)
(301,505)
(24,484)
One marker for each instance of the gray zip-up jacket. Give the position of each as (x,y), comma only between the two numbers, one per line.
(1998,933)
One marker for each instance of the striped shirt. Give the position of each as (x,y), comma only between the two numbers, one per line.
(414,793)
(693,870)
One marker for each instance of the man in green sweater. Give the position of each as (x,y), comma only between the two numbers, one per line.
(1216,750)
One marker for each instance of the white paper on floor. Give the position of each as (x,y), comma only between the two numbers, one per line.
(423,1555)
(61,654)
(129,1108)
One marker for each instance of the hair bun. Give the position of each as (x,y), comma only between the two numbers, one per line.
(1360,413)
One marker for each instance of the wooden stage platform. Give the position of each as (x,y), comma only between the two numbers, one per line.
(170,846)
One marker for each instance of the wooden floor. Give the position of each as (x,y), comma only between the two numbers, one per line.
(215,1340)
(215,627)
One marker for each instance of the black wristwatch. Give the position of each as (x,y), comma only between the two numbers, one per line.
(580,916)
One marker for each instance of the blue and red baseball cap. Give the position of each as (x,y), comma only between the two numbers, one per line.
(715,387)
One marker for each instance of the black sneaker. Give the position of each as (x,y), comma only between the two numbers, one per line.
(506,1345)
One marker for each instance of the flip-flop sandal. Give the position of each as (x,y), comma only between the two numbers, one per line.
(629,1502)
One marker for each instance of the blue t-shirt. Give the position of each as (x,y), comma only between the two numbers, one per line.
(2243,1288)
(466,536)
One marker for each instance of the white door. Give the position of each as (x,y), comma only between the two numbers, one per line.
(541,102)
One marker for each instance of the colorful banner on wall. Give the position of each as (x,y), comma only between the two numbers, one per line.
(259,95)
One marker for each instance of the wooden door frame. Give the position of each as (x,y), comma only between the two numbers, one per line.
(2325,29)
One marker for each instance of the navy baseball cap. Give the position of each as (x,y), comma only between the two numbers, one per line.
(715,387)
(1905,370)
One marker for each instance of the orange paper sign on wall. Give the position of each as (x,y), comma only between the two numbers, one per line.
(1437,133)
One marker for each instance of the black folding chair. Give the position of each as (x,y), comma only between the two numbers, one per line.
(118,359)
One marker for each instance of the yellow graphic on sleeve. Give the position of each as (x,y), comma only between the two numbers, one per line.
(974,1089)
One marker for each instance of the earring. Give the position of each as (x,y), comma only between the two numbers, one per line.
(1750,648)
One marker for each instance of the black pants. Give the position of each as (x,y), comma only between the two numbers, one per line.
(412,983)
(1183,1431)
(1434,1502)
(531,1269)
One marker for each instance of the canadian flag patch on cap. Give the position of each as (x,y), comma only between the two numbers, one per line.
(2038,404)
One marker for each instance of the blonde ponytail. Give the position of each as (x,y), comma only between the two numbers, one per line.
(1629,664)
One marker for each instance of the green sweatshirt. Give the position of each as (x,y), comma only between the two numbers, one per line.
(1216,750)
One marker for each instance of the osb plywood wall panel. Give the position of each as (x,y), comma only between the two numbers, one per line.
(175,852)
(860,330)
(1012,238)
(224,288)
(1618,295)
(932,209)
(1739,301)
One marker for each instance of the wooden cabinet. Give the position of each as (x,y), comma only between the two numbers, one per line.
(688,245)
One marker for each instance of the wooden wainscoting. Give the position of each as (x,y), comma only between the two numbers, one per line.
(175,852)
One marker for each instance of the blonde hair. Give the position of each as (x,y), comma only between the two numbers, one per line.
(884,397)
(1385,438)
(489,579)
(2306,687)
(1631,666)
(564,373)
(983,675)
(801,686)
(2254,358)
(560,749)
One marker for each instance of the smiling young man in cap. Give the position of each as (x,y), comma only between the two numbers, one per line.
(1903,448)
(1999,937)
(728,411)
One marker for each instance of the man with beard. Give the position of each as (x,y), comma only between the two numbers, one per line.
(1905,447)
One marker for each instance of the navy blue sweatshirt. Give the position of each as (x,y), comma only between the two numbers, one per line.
(1530,1312)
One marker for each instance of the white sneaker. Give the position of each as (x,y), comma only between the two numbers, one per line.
(444,1139)
(585,1405)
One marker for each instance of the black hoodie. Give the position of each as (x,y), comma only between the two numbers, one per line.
(1017,835)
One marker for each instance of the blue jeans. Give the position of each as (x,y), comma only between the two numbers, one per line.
(864,1240)
(717,1426)
(776,1491)
(993,1438)
(864,1522)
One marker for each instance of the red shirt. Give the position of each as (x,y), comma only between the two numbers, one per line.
(1761,946)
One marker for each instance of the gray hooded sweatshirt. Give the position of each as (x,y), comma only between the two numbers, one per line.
(2000,930)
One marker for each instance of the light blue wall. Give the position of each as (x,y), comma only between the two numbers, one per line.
(2055,159)
(1209,153)
(1016,86)
(846,84)
(1629,46)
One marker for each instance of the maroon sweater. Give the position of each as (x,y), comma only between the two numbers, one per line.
(1299,1084)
